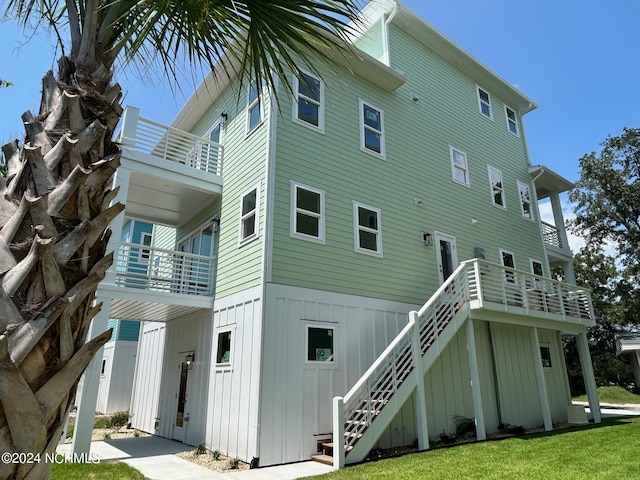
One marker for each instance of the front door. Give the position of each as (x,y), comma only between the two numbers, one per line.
(447,255)
(181,419)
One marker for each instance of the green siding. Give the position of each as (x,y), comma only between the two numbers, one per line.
(418,135)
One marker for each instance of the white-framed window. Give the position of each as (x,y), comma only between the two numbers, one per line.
(371,129)
(249,210)
(484,102)
(545,355)
(497,187)
(368,236)
(254,107)
(320,344)
(223,350)
(459,166)
(525,200)
(145,253)
(308,103)
(307,213)
(537,269)
(512,121)
(508,259)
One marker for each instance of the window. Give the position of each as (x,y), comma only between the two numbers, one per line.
(254,107)
(104,367)
(525,200)
(320,344)
(308,106)
(367,229)
(371,129)
(536,268)
(508,260)
(545,354)
(194,273)
(484,103)
(459,167)
(249,215)
(146,241)
(497,187)
(223,354)
(512,121)
(307,213)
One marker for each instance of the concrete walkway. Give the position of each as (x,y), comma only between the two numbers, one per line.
(155,458)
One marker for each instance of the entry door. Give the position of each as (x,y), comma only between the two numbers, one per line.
(447,255)
(181,419)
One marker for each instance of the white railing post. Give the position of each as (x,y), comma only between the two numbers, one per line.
(338,433)
(479,286)
(129,129)
(420,400)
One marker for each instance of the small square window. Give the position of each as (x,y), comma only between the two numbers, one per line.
(308,107)
(371,129)
(512,121)
(459,166)
(545,353)
(484,103)
(249,215)
(367,229)
(320,344)
(223,354)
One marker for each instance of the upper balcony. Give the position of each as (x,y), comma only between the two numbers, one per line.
(166,171)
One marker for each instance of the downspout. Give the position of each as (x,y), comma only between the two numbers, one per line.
(386,56)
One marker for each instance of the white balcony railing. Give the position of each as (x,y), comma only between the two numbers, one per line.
(159,270)
(152,138)
(551,235)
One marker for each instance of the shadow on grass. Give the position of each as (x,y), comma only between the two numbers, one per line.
(606,422)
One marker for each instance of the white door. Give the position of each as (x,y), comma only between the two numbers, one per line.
(447,255)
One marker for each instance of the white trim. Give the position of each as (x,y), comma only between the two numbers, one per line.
(513,121)
(382,154)
(250,106)
(357,227)
(243,241)
(452,151)
(323,326)
(522,202)
(226,366)
(294,210)
(486,103)
(491,169)
(513,257)
(320,103)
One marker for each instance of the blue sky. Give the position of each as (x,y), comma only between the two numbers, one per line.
(578,60)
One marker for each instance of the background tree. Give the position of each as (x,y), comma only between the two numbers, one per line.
(607,207)
(56,195)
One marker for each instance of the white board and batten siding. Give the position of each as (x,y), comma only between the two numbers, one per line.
(296,405)
(232,423)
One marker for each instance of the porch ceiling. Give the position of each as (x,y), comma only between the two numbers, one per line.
(148,311)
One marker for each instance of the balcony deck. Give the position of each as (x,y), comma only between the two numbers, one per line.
(153,284)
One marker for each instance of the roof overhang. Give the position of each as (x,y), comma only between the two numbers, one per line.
(547,181)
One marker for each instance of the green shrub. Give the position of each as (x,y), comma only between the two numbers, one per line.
(234,463)
(200,449)
(118,420)
(216,454)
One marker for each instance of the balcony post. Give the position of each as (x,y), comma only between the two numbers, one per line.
(338,433)
(588,376)
(540,380)
(481,431)
(129,126)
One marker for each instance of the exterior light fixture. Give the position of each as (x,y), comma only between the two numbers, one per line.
(215,224)
(426,238)
(223,118)
(188,359)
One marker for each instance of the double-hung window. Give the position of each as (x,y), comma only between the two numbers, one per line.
(512,121)
(459,166)
(497,187)
(525,200)
(371,129)
(308,106)
(249,207)
(307,213)
(367,229)
(484,103)
(254,107)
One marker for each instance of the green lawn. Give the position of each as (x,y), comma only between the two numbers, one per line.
(605,451)
(613,395)
(98,471)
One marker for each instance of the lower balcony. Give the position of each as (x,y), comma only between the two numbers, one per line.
(154,284)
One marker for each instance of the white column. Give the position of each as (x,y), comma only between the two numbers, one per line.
(129,126)
(588,376)
(540,380)
(338,433)
(481,431)
(87,394)
(420,397)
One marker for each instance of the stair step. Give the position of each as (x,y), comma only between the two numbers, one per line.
(322,458)
(327,448)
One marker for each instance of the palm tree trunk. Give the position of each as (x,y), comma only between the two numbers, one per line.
(54,213)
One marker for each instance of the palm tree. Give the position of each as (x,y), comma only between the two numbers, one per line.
(55,202)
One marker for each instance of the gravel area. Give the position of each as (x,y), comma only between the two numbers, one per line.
(206,460)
